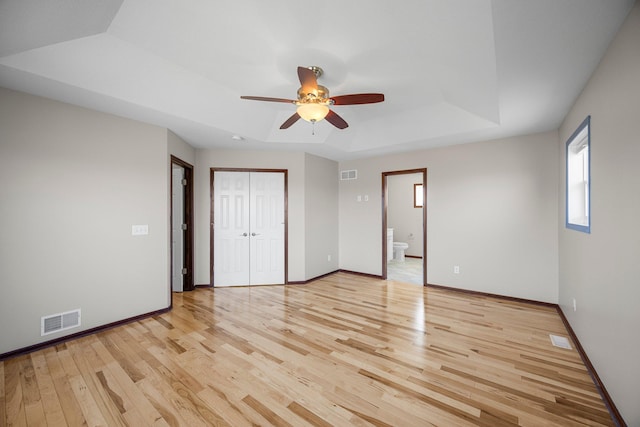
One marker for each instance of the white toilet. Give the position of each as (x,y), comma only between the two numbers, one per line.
(398,250)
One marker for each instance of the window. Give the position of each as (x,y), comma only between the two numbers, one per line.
(417,196)
(578,179)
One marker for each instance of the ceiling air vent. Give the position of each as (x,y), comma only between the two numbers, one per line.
(347,175)
(59,322)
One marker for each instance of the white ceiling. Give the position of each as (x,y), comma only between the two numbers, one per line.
(452,71)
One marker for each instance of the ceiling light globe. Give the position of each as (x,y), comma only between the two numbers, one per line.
(312,112)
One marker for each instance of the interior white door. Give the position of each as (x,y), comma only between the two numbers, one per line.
(231,228)
(177,233)
(248,228)
(267,228)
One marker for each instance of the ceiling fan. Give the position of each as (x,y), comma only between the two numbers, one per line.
(314,101)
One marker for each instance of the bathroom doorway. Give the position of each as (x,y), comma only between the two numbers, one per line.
(404,226)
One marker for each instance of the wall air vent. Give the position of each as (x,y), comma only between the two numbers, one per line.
(59,322)
(347,175)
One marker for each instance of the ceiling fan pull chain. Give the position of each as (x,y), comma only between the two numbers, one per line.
(313,127)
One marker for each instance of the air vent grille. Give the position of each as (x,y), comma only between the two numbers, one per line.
(59,322)
(561,342)
(347,175)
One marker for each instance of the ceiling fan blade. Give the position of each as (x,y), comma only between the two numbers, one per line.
(262,98)
(291,120)
(336,120)
(308,80)
(358,98)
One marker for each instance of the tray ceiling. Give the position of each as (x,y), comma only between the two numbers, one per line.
(452,71)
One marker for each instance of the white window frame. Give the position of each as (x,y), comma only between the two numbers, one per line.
(578,179)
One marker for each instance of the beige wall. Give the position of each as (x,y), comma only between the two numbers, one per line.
(491,209)
(72,183)
(180,149)
(601,270)
(321,210)
(301,220)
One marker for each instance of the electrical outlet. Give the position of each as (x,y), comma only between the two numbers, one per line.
(575,307)
(456,269)
(328,257)
(139,230)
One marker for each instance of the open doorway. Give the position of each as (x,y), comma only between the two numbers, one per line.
(181,225)
(404,221)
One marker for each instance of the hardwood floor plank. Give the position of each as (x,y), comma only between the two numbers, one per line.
(34,410)
(70,407)
(181,390)
(96,398)
(88,405)
(285,385)
(14,401)
(271,417)
(96,395)
(3,400)
(307,415)
(50,403)
(342,350)
(175,410)
(160,395)
(227,410)
(134,405)
(121,351)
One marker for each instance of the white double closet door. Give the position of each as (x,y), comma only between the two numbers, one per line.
(249,228)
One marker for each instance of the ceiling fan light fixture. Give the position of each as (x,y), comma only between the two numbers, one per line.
(312,112)
(314,101)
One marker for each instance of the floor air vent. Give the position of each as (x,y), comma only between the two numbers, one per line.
(561,342)
(59,322)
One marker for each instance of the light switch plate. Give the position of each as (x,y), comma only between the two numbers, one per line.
(139,230)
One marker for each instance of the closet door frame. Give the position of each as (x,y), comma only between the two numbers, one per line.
(285,172)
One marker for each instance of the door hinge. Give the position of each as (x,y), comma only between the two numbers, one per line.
(183,226)
(184,181)
(184,271)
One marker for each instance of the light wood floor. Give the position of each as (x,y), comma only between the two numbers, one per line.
(344,350)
